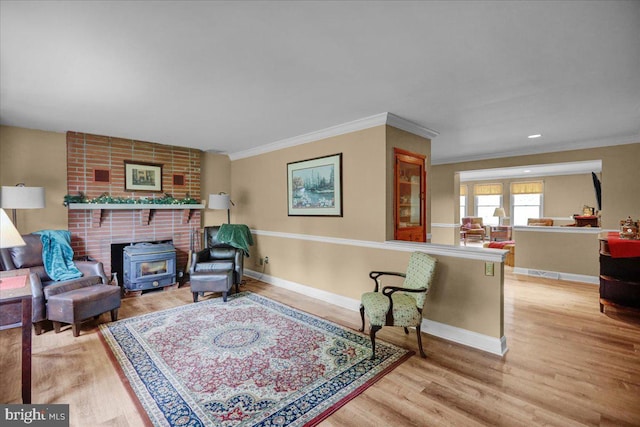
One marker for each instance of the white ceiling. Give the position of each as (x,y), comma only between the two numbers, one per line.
(233,76)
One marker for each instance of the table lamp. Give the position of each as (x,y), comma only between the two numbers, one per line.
(9,235)
(499,212)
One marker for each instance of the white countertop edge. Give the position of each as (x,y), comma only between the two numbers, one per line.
(558,229)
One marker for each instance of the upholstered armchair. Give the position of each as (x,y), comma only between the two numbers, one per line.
(47,292)
(217,267)
(399,305)
(473,227)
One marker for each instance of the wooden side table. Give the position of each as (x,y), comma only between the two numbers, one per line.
(16,288)
(586,220)
(619,272)
(502,232)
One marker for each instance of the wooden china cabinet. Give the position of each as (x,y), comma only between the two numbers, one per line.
(409,198)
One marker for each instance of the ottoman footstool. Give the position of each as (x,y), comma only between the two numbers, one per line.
(212,281)
(78,305)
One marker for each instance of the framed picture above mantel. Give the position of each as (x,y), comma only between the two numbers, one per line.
(142,176)
(314,186)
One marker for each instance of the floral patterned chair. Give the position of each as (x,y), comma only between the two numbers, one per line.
(472,226)
(399,306)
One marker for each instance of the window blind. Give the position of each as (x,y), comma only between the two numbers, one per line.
(534,187)
(463,190)
(487,189)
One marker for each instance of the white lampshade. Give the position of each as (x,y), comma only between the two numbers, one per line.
(9,235)
(499,212)
(21,197)
(219,201)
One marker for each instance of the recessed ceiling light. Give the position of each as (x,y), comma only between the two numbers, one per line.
(526,170)
(537,135)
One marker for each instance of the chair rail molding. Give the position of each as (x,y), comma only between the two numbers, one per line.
(444,225)
(481,254)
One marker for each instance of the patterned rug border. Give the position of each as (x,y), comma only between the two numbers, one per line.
(125,381)
(324,414)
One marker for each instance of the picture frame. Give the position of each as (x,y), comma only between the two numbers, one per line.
(314,186)
(142,176)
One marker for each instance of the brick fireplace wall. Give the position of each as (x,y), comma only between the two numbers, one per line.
(95,165)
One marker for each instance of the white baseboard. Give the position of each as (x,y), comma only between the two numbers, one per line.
(451,333)
(569,277)
(340,301)
(465,337)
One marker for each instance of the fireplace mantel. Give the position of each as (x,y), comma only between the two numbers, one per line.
(145,210)
(133,206)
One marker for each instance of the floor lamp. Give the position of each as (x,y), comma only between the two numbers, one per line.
(221,201)
(21,197)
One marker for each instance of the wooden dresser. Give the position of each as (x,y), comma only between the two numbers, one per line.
(619,271)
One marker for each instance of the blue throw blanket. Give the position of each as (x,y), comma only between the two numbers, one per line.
(236,235)
(57,254)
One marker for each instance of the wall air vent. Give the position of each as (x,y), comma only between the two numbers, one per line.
(545,274)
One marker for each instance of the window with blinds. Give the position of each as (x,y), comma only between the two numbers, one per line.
(535,187)
(526,201)
(488,197)
(487,189)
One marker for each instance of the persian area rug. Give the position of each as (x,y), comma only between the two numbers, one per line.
(248,362)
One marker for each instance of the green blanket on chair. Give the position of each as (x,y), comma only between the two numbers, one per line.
(57,254)
(236,235)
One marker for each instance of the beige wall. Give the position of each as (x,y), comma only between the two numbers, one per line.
(339,256)
(546,250)
(445,206)
(620,180)
(564,195)
(461,295)
(216,178)
(259,188)
(38,159)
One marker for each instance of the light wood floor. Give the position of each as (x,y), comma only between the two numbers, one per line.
(567,365)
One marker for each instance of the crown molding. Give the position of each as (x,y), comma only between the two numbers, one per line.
(411,127)
(344,128)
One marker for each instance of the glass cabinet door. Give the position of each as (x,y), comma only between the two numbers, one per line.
(409,209)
